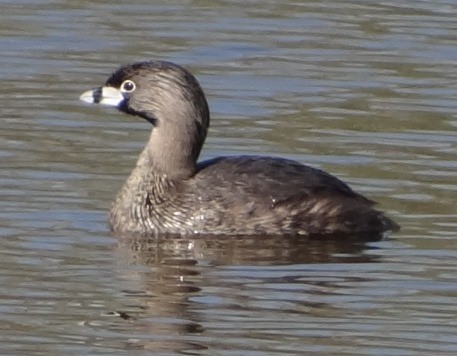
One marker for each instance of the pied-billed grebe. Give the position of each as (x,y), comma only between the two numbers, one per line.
(168,192)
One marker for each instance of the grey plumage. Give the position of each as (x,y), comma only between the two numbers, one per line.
(169,193)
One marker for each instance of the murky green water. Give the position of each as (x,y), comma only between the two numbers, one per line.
(364,89)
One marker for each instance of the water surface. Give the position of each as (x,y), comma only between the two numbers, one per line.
(363,89)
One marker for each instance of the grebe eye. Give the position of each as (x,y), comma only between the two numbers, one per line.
(128,86)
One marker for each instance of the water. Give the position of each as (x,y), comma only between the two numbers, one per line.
(363,89)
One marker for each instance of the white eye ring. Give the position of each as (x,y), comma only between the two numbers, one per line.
(128,86)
